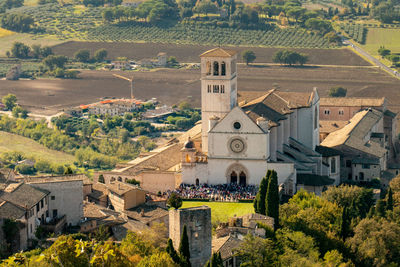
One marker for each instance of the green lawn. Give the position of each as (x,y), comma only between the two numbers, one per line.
(31,148)
(222,211)
(390,38)
(6,41)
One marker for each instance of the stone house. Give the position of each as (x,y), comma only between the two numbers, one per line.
(66,195)
(27,204)
(123,196)
(363,146)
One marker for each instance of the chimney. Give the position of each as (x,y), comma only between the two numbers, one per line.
(262,123)
(212,121)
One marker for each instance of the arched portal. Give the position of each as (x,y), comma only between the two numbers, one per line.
(234,177)
(242,179)
(197,181)
(237,174)
(223,68)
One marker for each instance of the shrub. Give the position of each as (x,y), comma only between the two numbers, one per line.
(337,92)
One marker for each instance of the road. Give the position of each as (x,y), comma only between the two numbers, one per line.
(372,59)
(38,116)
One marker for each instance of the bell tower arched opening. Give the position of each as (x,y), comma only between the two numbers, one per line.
(216,68)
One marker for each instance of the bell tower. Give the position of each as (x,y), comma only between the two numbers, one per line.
(218,87)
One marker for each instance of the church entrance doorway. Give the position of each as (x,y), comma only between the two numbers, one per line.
(234,178)
(242,179)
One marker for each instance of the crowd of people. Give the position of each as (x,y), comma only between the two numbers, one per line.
(222,192)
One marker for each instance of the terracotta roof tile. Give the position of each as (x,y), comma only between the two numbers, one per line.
(219,52)
(351,101)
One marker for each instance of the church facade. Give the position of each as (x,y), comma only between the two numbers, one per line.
(240,141)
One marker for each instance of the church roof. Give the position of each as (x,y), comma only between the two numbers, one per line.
(219,52)
(352,101)
(274,105)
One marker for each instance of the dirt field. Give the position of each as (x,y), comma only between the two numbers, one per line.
(172,86)
(190,53)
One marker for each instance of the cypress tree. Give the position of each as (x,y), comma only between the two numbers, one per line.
(389,202)
(172,252)
(259,201)
(345,224)
(272,199)
(215,261)
(184,250)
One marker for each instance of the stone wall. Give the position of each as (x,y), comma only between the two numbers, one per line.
(198,223)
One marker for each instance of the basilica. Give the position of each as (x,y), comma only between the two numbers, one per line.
(239,142)
(241,135)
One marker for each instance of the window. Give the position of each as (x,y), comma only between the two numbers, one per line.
(366,166)
(333,165)
(222,89)
(208,68)
(55,213)
(361,176)
(223,68)
(349,176)
(316,117)
(37,207)
(209,88)
(327,111)
(215,88)
(216,68)
(53,197)
(237,125)
(31,228)
(341,112)
(348,163)
(41,204)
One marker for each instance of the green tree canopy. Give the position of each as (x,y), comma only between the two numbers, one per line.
(248,56)
(9,101)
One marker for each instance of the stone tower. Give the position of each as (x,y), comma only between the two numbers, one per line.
(218,86)
(198,224)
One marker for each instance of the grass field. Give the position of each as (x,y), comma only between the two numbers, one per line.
(222,211)
(376,37)
(29,39)
(30,148)
(4,32)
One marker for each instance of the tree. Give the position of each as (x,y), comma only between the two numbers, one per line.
(82,55)
(319,25)
(17,22)
(337,91)
(248,56)
(174,201)
(156,260)
(259,201)
(184,250)
(59,73)
(383,52)
(376,242)
(16,111)
(332,37)
(389,201)
(272,199)
(172,252)
(25,169)
(345,225)
(215,260)
(9,101)
(184,105)
(20,50)
(55,61)
(171,62)
(100,55)
(257,252)
(36,50)
(205,7)
(288,57)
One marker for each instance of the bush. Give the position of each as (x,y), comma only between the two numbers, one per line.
(337,92)
(25,169)
(174,201)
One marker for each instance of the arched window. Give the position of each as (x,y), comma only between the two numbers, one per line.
(208,68)
(112,179)
(187,159)
(316,117)
(119,179)
(223,68)
(197,181)
(216,68)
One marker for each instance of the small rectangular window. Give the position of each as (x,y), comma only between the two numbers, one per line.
(37,207)
(222,89)
(365,166)
(208,88)
(348,163)
(215,88)
(41,204)
(341,112)
(53,197)
(327,111)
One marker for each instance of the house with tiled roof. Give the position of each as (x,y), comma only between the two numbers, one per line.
(26,204)
(363,146)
